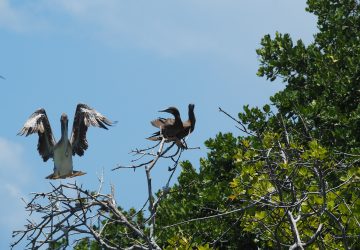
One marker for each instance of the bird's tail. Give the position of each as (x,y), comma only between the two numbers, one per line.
(155,137)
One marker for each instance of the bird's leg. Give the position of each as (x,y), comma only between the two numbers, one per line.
(161,131)
(185,144)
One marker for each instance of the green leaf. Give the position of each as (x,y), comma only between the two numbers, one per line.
(266,108)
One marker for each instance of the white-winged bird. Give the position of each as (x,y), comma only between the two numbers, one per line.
(63,150)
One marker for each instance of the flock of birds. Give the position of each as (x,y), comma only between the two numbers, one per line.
(62,151)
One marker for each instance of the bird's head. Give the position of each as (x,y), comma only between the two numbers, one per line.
(64,117)
(64,122)
(172,110)
(191,106)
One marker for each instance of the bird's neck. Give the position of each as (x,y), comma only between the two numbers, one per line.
(64,130)
(178,119)
(64,135)
(192,119)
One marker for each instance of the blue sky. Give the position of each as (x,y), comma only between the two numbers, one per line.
(127,59)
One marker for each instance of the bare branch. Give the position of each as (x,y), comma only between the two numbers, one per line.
(242,128)
(211,216)
(298,243)
(66,215)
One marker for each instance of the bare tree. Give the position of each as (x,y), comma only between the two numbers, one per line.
(70,212)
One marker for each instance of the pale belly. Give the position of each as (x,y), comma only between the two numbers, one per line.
(63,165)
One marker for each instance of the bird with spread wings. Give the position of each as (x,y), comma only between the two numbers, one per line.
(178,129)
(63,150)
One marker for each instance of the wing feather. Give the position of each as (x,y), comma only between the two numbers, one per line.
(84,118)
(160,122)
(38,122)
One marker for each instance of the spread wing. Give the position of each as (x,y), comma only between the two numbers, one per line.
(38,122)
(84,118)
(160,122)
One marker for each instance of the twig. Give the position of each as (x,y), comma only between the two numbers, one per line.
(243,128)
(211,216)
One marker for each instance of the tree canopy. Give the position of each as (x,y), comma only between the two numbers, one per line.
(291,179)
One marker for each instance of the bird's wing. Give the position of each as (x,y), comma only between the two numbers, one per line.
(160,122)
(38,122)
(84,118)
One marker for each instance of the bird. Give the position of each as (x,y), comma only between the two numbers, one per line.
(63,150)
(171,126)
(188,127)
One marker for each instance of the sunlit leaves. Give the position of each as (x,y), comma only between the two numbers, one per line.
(180,242)
(315,151)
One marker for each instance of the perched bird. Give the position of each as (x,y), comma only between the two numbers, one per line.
(63,150)
(188,127)
(169,127)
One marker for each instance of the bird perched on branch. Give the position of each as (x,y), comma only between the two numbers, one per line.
(63,150)
(169,127)
(187,128)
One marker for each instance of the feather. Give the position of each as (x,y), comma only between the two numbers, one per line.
(38,122)
(84,118)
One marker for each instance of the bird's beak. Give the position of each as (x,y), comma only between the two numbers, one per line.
(165,110)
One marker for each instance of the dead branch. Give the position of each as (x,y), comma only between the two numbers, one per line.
(71,210)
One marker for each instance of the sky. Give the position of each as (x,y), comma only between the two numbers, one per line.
(128,60)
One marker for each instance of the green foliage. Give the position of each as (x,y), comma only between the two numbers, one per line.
(279,176)
(60,244)
(323,77)
(202,194)
(291,161)
(179,242)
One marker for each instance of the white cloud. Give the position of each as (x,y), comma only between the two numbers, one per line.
(176,27)
(21,17)
(14,176)
(9,17)
(169,28)
(144,25)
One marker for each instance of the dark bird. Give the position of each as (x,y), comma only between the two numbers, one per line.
(187,128)
(63,150)
(169,127)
